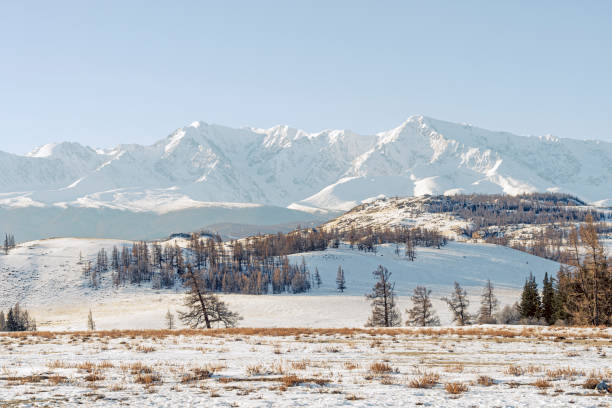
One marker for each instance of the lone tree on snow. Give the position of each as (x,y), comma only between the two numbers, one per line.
(488,304)
(422,312)
(340,281)
(170,325)
(204,308)
(91,325)
(458,304)
(382,297)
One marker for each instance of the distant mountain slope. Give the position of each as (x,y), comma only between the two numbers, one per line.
(201,164)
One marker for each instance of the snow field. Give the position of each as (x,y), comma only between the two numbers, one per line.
(493,365)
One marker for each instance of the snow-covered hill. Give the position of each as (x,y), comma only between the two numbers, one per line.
(201,165)
(49,272)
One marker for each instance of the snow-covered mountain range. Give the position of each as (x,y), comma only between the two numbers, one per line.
(282,166)
(203,165)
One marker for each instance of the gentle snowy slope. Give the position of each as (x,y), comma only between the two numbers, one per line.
(468,264)
(48,273)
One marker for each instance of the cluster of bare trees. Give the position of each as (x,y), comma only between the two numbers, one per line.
(422,313)
(585,286)
(255,265)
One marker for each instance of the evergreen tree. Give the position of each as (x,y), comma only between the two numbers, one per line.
(488,304)
(458,305)
(422,312)
(548,299)
(317,277)
(11,323)
(530,305)
(382,297)
(340,280)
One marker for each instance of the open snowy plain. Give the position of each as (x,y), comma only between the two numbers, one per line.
(479,366)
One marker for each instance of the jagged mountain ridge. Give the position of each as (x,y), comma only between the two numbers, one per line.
(281,166)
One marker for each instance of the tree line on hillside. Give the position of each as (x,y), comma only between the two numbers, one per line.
(491,213)
(485,210)
(255,265)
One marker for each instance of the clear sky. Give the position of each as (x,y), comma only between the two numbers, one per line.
(109,72)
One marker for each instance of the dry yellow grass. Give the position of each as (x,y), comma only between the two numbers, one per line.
(550,333)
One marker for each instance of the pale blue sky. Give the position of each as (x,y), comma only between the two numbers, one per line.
(109,72)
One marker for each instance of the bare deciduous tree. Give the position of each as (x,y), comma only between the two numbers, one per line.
(458,304)
(382,297)
(488,304)
(204,308)
(422,312)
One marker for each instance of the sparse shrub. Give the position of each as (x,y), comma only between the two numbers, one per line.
(256,369)
(485,381)
(427,380)
(147,379)
(590,383)
(380,368)
(515,370)
(290,380)
(541,384)
(455,388)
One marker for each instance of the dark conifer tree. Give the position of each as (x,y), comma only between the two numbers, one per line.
(317,277)
(530,305)
(548,299)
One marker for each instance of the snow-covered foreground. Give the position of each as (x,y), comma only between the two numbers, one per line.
(490,366)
